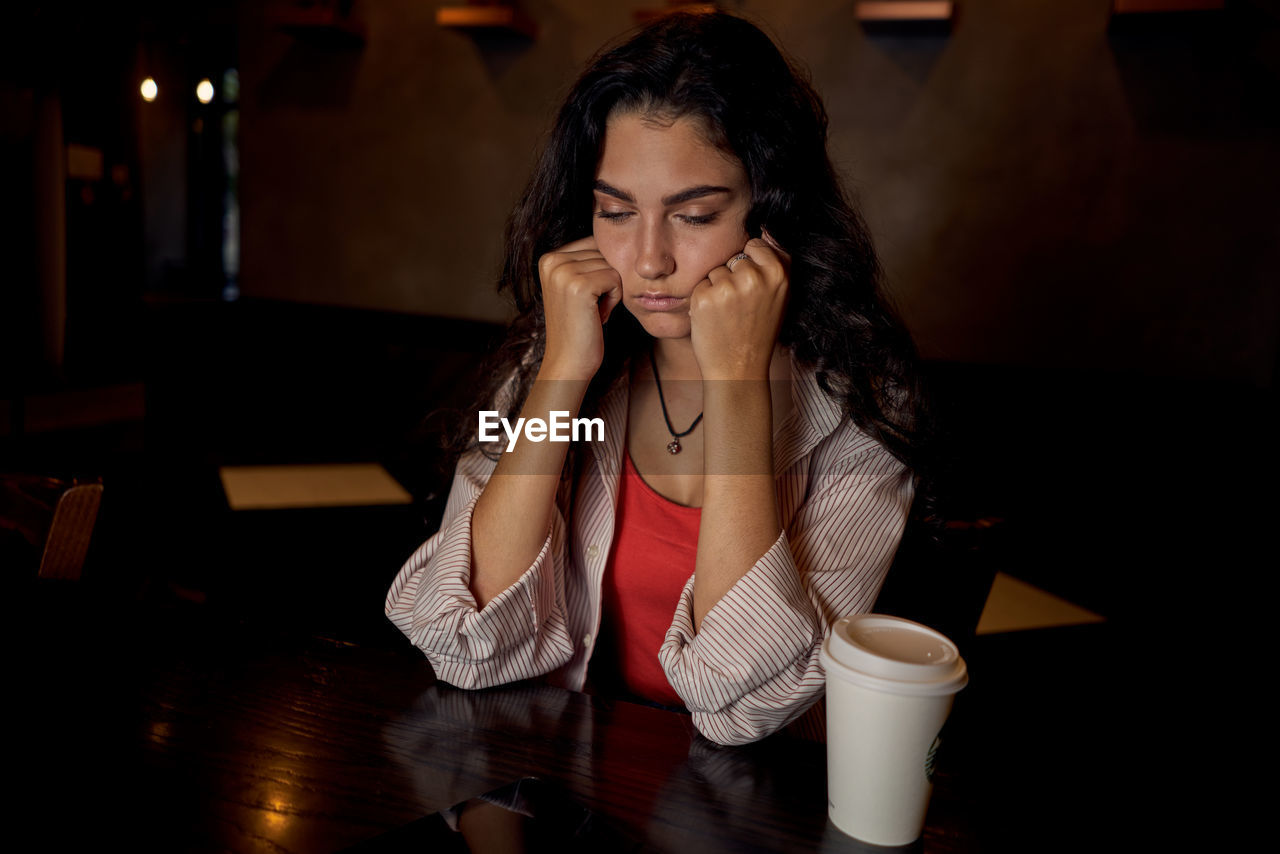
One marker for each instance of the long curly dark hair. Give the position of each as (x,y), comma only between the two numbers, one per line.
(752,102)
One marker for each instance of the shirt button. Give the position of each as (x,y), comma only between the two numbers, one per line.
(593,551)
(586,640)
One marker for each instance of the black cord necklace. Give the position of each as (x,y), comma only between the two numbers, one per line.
(673,447)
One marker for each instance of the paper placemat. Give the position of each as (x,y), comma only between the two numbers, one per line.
(1014,605)
(280,487)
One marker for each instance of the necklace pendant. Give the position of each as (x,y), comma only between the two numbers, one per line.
(673,447)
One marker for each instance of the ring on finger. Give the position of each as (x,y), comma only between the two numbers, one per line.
(741,256)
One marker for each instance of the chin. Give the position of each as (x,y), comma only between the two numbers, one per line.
(666,325)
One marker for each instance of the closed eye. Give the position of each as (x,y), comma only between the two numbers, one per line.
(689,219)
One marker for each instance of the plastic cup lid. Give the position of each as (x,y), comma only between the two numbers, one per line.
(894,655)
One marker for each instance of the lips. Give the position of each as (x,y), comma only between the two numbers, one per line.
(659,302)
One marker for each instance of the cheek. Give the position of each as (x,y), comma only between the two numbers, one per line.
(712,250)
(610,245)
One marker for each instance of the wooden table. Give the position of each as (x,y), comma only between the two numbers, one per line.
(180,731)
(186,728)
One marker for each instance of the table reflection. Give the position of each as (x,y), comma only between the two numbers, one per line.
(229,736)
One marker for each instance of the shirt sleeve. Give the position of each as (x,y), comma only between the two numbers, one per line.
(753,665)
(519,634)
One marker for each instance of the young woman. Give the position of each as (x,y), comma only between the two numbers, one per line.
(687,270)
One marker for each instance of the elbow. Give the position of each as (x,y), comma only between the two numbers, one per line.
(728,730)
(463,675)
(464,663)
(733,739)
(737,713)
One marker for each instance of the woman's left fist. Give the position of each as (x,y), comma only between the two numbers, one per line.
(735,314)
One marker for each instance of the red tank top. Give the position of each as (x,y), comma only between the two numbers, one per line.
(655,546)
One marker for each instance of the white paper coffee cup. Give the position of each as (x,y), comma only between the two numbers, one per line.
(890,685)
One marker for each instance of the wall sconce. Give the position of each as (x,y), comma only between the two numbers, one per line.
(1125,7)
(644,16)
(330,23)
(497,17)
(906,16)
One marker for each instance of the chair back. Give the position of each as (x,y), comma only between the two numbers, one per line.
(70,531)
(45,526)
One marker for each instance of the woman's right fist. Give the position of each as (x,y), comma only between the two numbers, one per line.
(579,292)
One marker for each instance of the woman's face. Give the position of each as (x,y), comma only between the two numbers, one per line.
(669,207)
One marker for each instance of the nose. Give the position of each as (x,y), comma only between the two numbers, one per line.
(653,256)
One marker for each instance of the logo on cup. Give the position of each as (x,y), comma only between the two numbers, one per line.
(930,758)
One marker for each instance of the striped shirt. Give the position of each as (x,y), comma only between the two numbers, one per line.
(752,667)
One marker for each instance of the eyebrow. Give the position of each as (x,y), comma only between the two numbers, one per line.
(679,198)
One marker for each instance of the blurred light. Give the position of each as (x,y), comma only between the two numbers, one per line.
(149,89)
(204,91)
(231,86)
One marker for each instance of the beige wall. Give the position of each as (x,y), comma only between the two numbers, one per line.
(1042,192)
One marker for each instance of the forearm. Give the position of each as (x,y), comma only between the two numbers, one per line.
(739,507)
(513,514)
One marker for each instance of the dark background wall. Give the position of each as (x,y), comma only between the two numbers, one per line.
(1077,216)
(1045,190)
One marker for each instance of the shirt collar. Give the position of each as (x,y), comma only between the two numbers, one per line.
(814,416)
